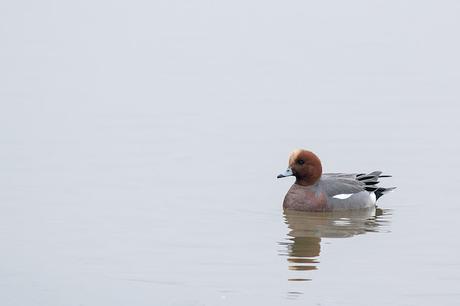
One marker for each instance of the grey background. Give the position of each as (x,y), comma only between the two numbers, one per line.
(140,142)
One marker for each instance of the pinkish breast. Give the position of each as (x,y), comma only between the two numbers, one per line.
(305,198)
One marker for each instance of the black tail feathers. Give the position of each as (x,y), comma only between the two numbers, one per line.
(371,180)
(381,191)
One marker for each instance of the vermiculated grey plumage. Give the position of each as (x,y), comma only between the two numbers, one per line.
(344,183)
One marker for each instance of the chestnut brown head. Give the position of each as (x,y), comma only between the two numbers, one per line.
(305,166)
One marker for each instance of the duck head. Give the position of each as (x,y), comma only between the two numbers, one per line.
(305,166)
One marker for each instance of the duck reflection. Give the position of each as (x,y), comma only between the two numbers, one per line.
(306,229)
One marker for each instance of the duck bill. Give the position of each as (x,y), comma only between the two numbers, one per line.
(286,173)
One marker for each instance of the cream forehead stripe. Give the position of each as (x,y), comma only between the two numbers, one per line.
(294,155)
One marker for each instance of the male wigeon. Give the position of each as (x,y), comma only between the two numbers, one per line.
(314,190)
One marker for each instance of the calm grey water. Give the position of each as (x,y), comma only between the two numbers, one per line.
(140,144)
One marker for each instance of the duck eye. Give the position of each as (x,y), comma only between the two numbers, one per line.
(300,161)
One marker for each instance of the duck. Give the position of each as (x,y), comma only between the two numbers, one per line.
(316,191)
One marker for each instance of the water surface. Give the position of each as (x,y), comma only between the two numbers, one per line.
(140,144)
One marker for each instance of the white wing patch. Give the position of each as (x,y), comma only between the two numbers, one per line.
(343,196)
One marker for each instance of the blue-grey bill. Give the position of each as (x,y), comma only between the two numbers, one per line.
(286,173)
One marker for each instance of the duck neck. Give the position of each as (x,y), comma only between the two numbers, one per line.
(309,177)
(306,181)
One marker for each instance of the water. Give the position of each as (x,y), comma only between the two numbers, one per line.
(140,144)
(307,229)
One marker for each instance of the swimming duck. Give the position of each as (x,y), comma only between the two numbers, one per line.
(314,190)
